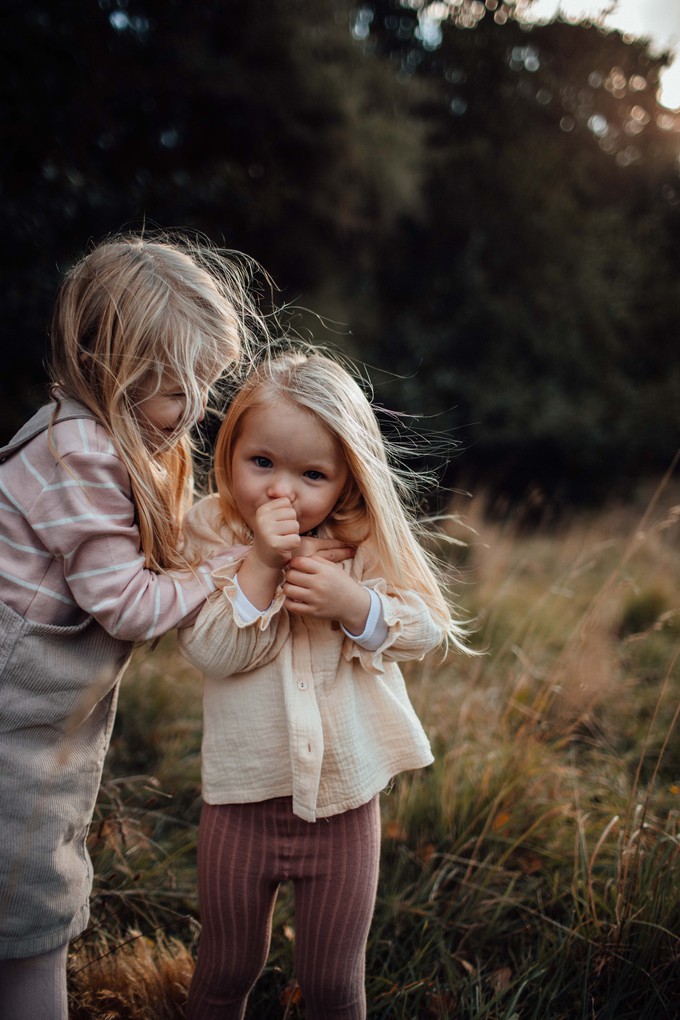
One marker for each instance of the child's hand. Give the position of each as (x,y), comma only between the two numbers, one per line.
(314,587)
(330,549)
(276,532)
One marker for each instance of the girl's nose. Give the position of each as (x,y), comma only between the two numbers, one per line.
(279,488)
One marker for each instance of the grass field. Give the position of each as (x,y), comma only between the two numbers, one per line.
(530,874)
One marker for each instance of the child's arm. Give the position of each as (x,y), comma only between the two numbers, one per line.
(83,512)
(324,591)
(229,635)
(276,536)
(224,640)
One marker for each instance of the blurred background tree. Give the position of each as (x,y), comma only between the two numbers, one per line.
(487,213)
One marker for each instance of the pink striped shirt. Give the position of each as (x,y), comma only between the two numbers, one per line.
(70,547)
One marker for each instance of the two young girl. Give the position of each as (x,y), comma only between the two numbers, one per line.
(306,714)
(92,494)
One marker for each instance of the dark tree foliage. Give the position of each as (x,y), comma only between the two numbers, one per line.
(490,212)
(541,304)
(257,122)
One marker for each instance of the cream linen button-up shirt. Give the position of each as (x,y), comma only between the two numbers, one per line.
(294,706)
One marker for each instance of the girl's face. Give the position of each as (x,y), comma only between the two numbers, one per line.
(160,411)
(284,451)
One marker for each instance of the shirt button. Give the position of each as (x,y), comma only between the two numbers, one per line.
(302,685)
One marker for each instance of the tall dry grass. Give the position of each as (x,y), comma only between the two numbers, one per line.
(531,873)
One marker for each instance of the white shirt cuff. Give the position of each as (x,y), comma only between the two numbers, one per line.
(246,610)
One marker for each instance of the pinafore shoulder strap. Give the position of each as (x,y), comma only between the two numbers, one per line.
(42,419)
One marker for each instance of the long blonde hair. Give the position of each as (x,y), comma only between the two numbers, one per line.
(375,500)
(134,309)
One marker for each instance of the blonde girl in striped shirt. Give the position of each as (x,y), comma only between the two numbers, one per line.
(92,495)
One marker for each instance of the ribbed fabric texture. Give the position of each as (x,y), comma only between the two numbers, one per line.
(245,852)
(34,989)
(58,691)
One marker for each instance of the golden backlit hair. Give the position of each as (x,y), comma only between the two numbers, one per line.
(137,308)
(375,500)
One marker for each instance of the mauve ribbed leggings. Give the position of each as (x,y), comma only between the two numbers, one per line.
(245,851)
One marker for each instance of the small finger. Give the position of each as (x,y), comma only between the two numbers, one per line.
(295,607)
(337,555)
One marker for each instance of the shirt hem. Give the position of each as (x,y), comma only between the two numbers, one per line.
(14,948)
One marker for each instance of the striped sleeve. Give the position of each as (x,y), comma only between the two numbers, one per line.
(84,516)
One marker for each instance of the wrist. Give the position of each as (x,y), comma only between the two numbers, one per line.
(258,580)
(266,559)
(355,616)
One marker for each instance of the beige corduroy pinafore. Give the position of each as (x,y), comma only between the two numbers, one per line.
(58,692)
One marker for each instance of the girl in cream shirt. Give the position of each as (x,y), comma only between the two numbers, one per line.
(306,713)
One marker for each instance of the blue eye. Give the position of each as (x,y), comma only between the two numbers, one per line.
(314,475)
(263,462)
